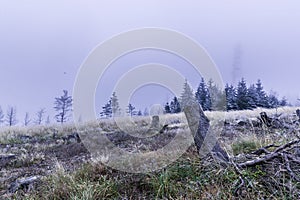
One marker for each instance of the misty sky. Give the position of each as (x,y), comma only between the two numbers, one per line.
(43,44)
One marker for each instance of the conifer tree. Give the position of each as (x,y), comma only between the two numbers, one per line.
(187,96)
(63,105)
(106,110)
(242,95)
(230,93)
(167,108)
(202,95)
(283,102)
(273,100)
(262,99)
(253,96)
(139,113)
(115,108)
(216,97)
(175,106)
(131,110)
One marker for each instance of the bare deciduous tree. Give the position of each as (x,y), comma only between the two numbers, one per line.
(27,119)
(11,117)
(48,120)
(1,116)
(40,116)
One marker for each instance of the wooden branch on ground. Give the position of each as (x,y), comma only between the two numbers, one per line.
(284,159)
(288,167)
(263,150)
(21,183)
(269,156)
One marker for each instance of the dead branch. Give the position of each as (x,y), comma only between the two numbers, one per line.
(21,183)
(267,157)
(277,165)
(288,167)
(264,150)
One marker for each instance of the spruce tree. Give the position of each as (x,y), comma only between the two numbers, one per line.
(131,110)
(63,105)
(175,106)
(202,95)
(242,96)
(167,108)
(273,101)
(231,98)
(187,96)
(253,96)
(262,99)
(283,102)
(106,110)
(115,108)
(216,97)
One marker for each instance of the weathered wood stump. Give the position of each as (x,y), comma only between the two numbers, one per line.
(265,119)
(205,140)
(298,114)
(155,122)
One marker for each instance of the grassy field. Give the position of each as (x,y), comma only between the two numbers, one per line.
(65,169)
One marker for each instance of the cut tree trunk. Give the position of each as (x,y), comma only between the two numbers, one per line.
(204,137)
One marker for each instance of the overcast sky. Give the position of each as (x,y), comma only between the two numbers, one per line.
(43,44)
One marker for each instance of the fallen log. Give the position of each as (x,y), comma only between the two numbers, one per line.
(22,183)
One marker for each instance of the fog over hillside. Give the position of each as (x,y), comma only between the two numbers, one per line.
(43,44)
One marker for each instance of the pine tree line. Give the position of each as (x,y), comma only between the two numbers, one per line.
(112,108)
(254,96)
(211,97)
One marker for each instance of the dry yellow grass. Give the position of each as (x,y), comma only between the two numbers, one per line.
(134,124)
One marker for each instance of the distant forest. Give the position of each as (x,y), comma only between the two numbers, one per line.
(211,97)
(241,97)
(208,95)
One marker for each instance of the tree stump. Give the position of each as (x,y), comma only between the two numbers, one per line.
(155,123)
(265,119)
(205,140)
(298,114)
